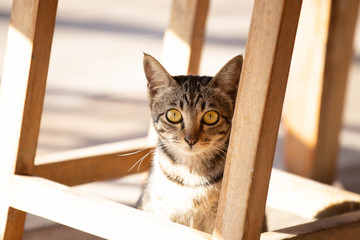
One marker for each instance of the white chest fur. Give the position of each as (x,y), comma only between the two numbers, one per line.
(191,201)
(171,198)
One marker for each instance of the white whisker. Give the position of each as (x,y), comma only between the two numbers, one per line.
(140,160)
(132,153)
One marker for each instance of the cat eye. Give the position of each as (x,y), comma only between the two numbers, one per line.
(173,116)
(210,118)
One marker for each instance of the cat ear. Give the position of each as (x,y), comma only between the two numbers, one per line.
(229,75)
(156,75)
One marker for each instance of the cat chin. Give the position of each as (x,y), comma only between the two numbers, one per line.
(191,151)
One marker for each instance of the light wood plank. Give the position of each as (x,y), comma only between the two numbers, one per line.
(308,199)
(317,82)
(95,163)
(304,89)
(342,227)
(21,98)
(90,214)
(256,120)
(184,36)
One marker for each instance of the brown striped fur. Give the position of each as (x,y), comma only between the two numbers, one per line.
(185,178)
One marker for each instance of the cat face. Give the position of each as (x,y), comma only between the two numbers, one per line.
(192,114)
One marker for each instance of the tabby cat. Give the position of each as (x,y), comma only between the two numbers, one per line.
(192,117)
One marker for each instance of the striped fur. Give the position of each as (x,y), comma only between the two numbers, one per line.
(185,179)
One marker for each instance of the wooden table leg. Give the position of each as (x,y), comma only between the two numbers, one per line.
(184,36)
(256,120)
(316,89)
(21,99)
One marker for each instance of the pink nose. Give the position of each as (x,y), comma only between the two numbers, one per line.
(191,141)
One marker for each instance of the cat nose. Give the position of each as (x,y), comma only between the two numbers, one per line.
(191,141)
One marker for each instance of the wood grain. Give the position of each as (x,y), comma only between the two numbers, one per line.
(307,198)
(256,120)
(16,221)
(184,37)
(21,98)
(342,227)
(95,163)
(317,81)
(91,214)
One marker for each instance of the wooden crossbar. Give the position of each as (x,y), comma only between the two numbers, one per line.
(95,163)
(342,227)
(306,198)
(111,220)
(90,214)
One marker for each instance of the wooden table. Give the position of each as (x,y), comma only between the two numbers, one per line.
(39,189)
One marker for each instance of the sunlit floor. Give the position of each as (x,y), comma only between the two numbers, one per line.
(97,90)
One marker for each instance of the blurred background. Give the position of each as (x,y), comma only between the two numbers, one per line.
(96,91)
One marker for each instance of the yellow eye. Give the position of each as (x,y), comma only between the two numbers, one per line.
(210,118)
(173,116)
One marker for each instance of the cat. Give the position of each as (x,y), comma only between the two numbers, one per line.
(192,117)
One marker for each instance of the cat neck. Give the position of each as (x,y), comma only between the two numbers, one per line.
(201,169)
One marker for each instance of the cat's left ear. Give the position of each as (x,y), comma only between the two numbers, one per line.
(156,75)
(229,75)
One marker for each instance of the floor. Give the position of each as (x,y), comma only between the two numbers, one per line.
(96,89)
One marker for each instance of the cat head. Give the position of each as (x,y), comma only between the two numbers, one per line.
(192,114)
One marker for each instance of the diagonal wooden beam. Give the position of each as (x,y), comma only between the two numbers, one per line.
(184,37)
(21,98)
(317,83)
(256,120)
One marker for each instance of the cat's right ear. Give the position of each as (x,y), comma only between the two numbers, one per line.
(156,75)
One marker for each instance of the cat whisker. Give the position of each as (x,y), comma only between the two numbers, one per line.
(224,153)
(221,150)
(218,150)
(132,153)
(141,160)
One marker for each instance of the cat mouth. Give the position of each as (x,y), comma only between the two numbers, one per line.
(191,149)
(187,149)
